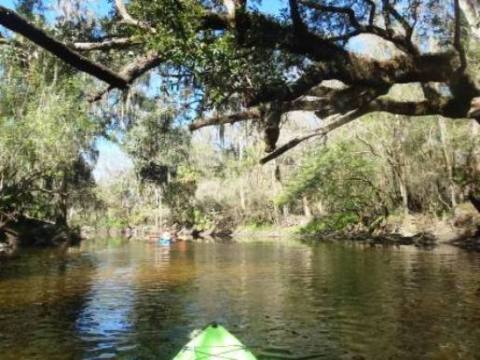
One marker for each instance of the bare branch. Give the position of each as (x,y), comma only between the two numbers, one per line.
(324,101)
(114,43)
(345,36)
(386,17)
(252,113)
(141,65)
(396,107)
(127,19)
(298,24)
(336,9)
(373,8)
(337,122)
(457,40)
(330,101)
(406,26)
(18,24)
(403,43)
(471,10)
(474,111)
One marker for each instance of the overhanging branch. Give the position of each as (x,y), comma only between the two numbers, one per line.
(132,71)
(18,24)
(337,122)
(327,101)
(411,108)
(360,71)
(405,108)
(396,15)
(250,114)
(403,43)
(347,11)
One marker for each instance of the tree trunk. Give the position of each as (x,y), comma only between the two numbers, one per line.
(63,203)
(241,155)
(472,193)
(320,208)
(448,160)
(399,163)
(306,207)
(243,203)
(403,191)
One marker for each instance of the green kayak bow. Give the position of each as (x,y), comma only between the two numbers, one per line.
(214,342)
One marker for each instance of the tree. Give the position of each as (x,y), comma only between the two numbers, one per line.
(45,158)
(254,66)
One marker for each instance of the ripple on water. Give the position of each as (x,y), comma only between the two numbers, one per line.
(116,299)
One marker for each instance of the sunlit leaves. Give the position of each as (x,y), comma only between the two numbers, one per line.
(46,138)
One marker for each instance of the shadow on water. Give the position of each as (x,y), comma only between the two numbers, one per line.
(118,299)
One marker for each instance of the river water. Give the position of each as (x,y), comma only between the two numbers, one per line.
(133,300)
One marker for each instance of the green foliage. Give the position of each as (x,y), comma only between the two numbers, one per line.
(384,165)
(179,196)
(369,169)
(46,135)
(155,137)
(330,223)
(160,151)
(176,33)
(338,176)
(351,183)
(210,59)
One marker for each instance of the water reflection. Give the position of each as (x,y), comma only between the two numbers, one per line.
(120,299)
(105,320)
(41,294)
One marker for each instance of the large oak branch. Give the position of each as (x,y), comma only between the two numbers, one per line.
(397,107)
(18,24)
(361,71)
(252,113)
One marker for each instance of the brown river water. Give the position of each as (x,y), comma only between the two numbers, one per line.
(133,300)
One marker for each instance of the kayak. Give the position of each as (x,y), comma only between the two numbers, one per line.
(164,242)
(214,342)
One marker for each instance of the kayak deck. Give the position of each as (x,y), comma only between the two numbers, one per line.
(214,342)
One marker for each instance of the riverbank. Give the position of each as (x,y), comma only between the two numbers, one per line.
(461,228)
(26,232)
(151,232)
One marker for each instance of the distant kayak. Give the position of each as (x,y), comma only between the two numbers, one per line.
(214,342)
(165,239)
(164,242)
